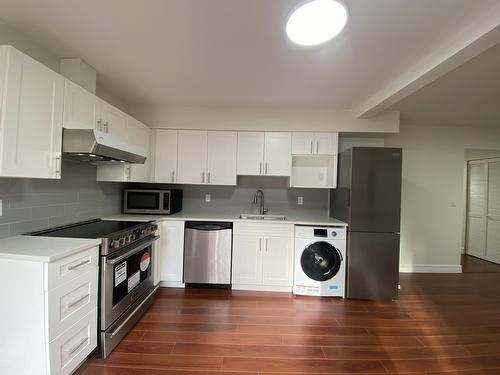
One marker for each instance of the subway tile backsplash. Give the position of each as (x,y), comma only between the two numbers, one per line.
(30,204)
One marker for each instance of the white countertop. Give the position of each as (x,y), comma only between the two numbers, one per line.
(291,218)
(42,249)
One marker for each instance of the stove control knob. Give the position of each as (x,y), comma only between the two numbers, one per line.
(114,244)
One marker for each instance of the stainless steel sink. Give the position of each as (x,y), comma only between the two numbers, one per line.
(262,217)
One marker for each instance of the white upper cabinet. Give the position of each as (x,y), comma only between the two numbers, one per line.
(221,159)
(31,117)
(315,143)
(264,154)
(250,159)
(114,121)
(165,155)
(192,157)
(81,108)
(206,157)
(278,154)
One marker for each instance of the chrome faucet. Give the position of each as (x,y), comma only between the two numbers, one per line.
(259,198)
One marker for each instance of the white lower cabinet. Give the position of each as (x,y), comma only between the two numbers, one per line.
(50,326)
(171,252)
(262,256)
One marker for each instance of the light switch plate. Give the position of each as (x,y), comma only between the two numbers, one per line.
(208,198)
(300,200)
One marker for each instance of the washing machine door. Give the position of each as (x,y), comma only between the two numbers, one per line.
(320,261)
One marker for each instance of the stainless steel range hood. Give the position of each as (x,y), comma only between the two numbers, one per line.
(88,145)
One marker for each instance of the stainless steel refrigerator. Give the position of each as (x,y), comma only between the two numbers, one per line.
(368,198)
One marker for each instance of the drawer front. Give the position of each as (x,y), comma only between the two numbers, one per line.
(263,229)
(68,350)
(71,267)
(70,302)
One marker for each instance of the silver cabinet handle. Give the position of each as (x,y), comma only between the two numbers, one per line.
(99,125)
(78,300)
(172,176)
(75,266)
(260,168)
(58,166)
(317,146)
(128,172)
(202,177)
(106,127)
(311,147)
(265,169)
(208,177)
(78,346)
(266,245)
(260,244)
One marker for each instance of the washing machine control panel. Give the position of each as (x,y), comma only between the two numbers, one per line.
(325,233)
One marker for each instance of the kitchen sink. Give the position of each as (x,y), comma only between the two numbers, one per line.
(262,217)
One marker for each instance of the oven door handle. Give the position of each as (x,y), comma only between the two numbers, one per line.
(136,249)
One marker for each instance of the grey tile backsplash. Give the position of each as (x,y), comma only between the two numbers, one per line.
(32,204)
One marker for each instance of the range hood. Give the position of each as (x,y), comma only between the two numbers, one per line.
(88,145)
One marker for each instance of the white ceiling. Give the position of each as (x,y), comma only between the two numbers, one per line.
(235,53)
(467,96)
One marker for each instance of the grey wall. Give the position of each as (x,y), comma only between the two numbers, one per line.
(279,198)
(30,204)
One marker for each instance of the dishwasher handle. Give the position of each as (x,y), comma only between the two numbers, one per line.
(208,226)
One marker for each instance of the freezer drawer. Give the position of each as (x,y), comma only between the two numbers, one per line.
(207,253)
(373,265)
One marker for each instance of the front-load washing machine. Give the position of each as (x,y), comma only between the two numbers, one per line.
(320,261)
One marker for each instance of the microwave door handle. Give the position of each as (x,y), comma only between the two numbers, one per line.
(132,251)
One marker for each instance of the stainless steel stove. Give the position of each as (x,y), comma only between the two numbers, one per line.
(126,284)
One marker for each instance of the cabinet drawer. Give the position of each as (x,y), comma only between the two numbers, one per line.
(263,229)
(68,350)
(70,302)
(71,267)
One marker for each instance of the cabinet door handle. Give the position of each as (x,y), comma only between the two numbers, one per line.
(78,346)
(260,168)
(78,300)
(265,169)
(128,172)
(202,177)
(266,245)
(75,266)
(106,127)
(317,147)
(58,166)
(260,244)
(99,125)
(172,176)
(311,147)
(208,177)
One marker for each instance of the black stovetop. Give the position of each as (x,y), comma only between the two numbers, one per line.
(88,229)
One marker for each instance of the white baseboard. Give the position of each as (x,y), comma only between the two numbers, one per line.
(430,268)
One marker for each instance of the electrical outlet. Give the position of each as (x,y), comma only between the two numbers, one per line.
(300,200)
(208,198)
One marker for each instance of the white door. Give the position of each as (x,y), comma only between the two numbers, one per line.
(303,143)
(171,246)
(277,262)
(114,121)
(493,213)
(476,220)
(326,143)
(278,154)
(80,108)
(165,159)
(32,118)
(192,157)
(250,159)
(247,260)
(221,159)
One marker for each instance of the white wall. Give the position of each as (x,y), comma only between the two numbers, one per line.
(432,196)
(272,119)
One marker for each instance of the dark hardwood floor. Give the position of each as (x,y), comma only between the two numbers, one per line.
(473,264)
(442,324)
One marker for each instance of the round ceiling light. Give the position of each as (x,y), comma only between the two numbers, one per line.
(316,22)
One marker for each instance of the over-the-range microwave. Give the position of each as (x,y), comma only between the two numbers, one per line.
(146,201)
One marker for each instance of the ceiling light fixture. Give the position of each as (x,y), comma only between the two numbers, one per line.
(316,22)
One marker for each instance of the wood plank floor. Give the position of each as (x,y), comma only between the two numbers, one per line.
(442,324)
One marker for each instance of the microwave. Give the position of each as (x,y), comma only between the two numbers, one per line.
(146,201)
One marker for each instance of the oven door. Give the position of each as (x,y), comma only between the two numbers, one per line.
(127,276)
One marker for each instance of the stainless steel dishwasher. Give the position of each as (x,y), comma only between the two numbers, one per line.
(207,253)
